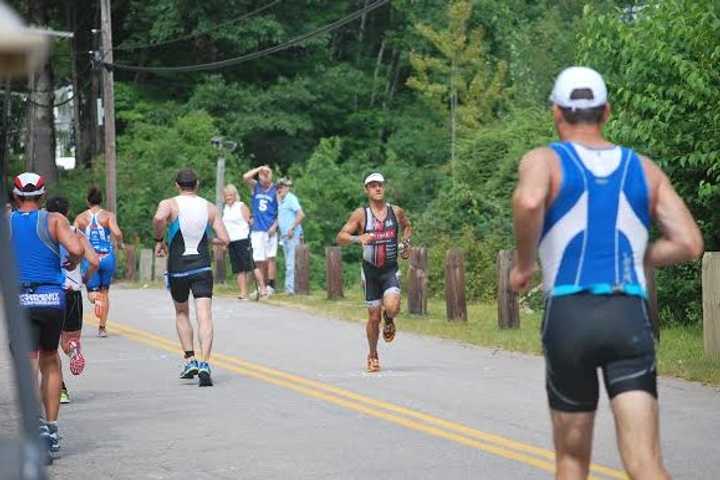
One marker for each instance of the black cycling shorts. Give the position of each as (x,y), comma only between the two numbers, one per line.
(584,332)
(45,326)
(201,285)
(378,282)
(73,311)
(241,256)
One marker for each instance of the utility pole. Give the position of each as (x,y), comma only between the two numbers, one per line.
(222,146)
(109,108)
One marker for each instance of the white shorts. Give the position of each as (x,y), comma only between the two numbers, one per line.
(264,246)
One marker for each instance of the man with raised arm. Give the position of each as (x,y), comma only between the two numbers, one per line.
(186,243)
(264,209)
(377,227)
(585,207)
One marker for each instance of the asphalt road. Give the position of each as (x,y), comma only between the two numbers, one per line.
(291,401)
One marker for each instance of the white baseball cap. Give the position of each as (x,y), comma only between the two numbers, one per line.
(374,177)
(573,79)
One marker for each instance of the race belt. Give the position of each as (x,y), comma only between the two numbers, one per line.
(52,299)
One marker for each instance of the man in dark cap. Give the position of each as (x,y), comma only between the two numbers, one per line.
(187,246)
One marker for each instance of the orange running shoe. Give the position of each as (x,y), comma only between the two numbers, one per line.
(373,364)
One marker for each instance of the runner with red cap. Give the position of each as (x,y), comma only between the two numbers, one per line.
(36,237)
(377,228)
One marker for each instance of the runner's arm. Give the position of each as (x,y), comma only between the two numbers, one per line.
(115,230)
(60,229)
(404,223)
(406,231)
(160,220)
(347,233)
(528,204)
(221,236)
(681,239)
(91,257)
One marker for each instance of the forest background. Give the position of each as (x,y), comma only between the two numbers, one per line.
(443,97)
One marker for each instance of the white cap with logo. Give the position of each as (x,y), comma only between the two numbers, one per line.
(574,79)
(374,177)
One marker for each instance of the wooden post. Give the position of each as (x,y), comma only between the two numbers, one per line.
(160,269)
(146,263)
(302,270)
(507,300)
(219,255)
(711,303)
(130,263)
(417,284)
(652,301)
(333,273)
(455,285)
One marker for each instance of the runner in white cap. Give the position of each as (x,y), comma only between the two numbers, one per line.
(585,206)
(377,228)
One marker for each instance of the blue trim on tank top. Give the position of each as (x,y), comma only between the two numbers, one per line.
(190,272)
(632,289)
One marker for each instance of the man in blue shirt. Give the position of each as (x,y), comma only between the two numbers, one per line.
(36,237)
(290,216)
(264,209)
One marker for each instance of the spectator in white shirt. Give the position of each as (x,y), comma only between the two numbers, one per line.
(236,217)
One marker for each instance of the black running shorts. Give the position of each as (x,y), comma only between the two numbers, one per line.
(584,332)
(45,326)
(241,258)
(73,311)
(201,285)
(378,282)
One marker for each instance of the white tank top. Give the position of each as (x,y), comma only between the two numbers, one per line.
(73,278)
(193,221)
(235,224)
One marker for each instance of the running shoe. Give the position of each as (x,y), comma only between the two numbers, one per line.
(204,374)
(64,395)
(373,364)
(102,332)
(51,437)
(243,299)
(190,370)
(388,328)
(269,291)
(77,360)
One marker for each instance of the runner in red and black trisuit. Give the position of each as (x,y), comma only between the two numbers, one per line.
(379,225)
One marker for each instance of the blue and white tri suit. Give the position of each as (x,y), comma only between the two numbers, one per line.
(592,247)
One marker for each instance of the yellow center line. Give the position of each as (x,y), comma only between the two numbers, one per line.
(495,444)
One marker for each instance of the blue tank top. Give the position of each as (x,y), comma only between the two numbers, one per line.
(264,207)
(98,236)
(37,255)
(596,231)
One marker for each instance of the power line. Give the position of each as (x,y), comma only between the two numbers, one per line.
(197,34)
(252,56)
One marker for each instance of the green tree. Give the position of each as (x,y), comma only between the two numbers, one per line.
(660,63)
(463,82)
